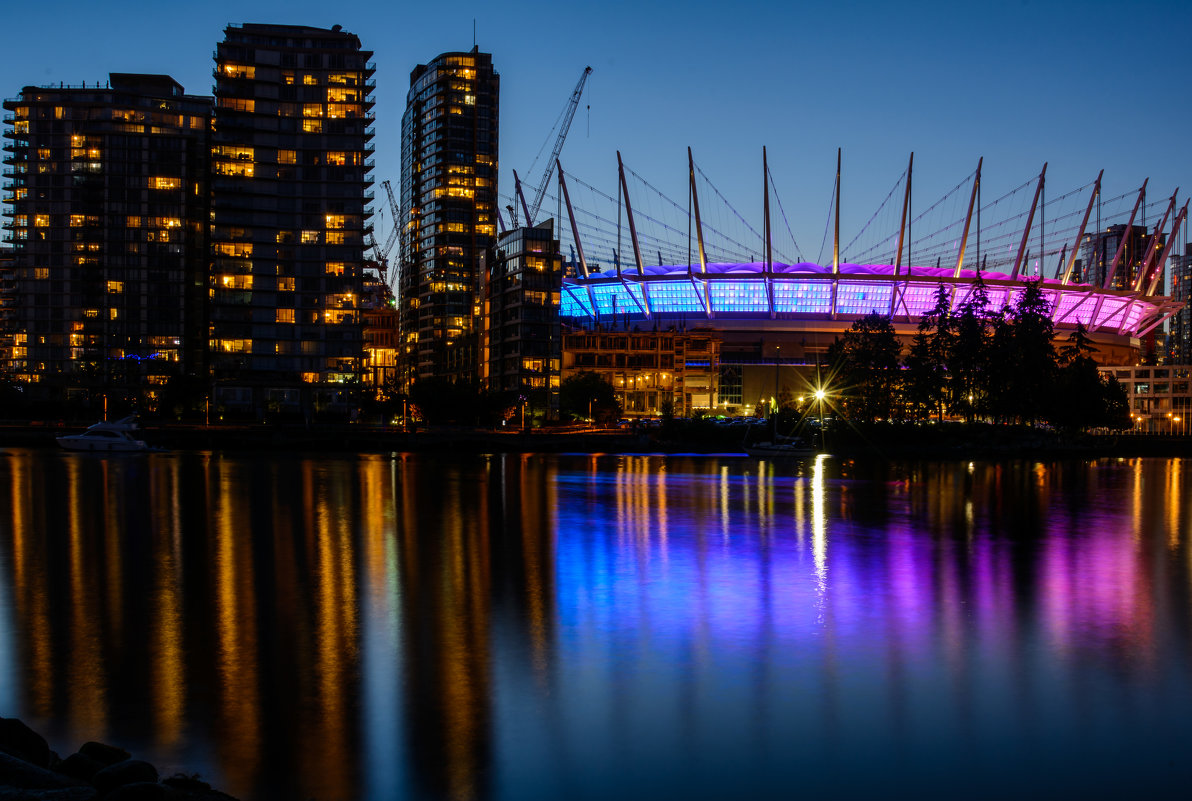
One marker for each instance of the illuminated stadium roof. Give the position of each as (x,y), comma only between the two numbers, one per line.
(806,291)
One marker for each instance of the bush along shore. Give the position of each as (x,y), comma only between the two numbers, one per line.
(30,771)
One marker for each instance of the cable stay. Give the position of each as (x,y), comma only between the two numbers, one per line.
(785,221)
(865,227)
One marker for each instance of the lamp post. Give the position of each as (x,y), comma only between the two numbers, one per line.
(777,359)
(819,397)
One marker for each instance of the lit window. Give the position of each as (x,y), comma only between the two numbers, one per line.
(115,287)
(158,182)
(239,71)
(41,220)
(285,315)
(237,104)
(336,237)
(310,237)
(312,110)
(310,80)
(335,220)
(285,285)
(287,157)
(312,126)
(335,268)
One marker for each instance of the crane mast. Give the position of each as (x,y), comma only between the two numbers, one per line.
(382,253)
(572,105)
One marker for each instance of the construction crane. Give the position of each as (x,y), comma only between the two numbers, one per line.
(381,254)
(568,114)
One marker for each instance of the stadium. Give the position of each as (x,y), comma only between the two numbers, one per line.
(770,314)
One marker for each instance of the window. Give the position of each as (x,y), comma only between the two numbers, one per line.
(285,285)
(158,182)
(237,104)
(312,126)
(287,157)
(239,71)
(312,110)
(285,315)
(310,237)
(115,287)
(335,268)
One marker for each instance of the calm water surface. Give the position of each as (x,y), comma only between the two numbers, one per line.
(543,627)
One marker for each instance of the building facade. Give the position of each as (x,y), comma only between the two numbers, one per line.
(107,214)
(291,162)
(1179,335)
(449,141)
(1160,396)
(648,369)
(522,342)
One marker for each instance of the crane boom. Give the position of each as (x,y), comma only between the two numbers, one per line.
(381,254)
(572,105)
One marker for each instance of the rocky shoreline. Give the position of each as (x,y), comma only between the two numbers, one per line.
(30,771)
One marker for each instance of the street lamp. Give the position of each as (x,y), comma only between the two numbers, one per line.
(819,397)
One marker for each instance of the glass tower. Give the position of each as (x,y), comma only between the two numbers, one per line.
(107,213)
(291,175)
(449,207)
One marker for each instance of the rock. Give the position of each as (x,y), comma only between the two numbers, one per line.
(22,742)
(79,793)
(17,773)
(104,754)
(190,788)
(186,784)
(127,772)
(141,791)
(80,766)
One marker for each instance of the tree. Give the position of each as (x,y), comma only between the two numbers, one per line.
(968,357)
(587,391)
(926,375)
(1034,359)
(867,356)
(1084,397)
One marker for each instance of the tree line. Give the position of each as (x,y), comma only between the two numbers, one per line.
(975,362)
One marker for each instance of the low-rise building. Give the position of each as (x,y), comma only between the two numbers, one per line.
(649,368)
(1160,396)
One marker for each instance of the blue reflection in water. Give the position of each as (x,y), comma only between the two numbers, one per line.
(524,627)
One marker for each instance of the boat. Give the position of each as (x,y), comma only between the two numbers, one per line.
(780,447)
(108,436)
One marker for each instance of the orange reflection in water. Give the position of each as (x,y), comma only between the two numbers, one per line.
(238,698)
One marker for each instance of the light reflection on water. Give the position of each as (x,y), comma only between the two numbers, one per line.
(524,626)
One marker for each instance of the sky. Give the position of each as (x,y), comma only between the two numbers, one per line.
(1082,86)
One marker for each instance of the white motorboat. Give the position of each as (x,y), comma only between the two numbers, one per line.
(779,446)
(107,436)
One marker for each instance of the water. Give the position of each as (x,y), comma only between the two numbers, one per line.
(543,627)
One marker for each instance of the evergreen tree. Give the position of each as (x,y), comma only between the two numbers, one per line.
(867,356)
(926,374)
(968,356)
(1034,360)
(1083,396)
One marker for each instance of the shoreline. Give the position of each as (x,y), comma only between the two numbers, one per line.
(880,442)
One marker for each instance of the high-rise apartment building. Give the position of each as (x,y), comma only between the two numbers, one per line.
(523,342)
(449,199)
(1100,248)
(1179,336)
(291,175)
(107,207)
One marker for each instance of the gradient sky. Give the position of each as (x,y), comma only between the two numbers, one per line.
(1083,86)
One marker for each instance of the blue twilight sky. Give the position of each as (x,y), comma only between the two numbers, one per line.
(1083,86)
